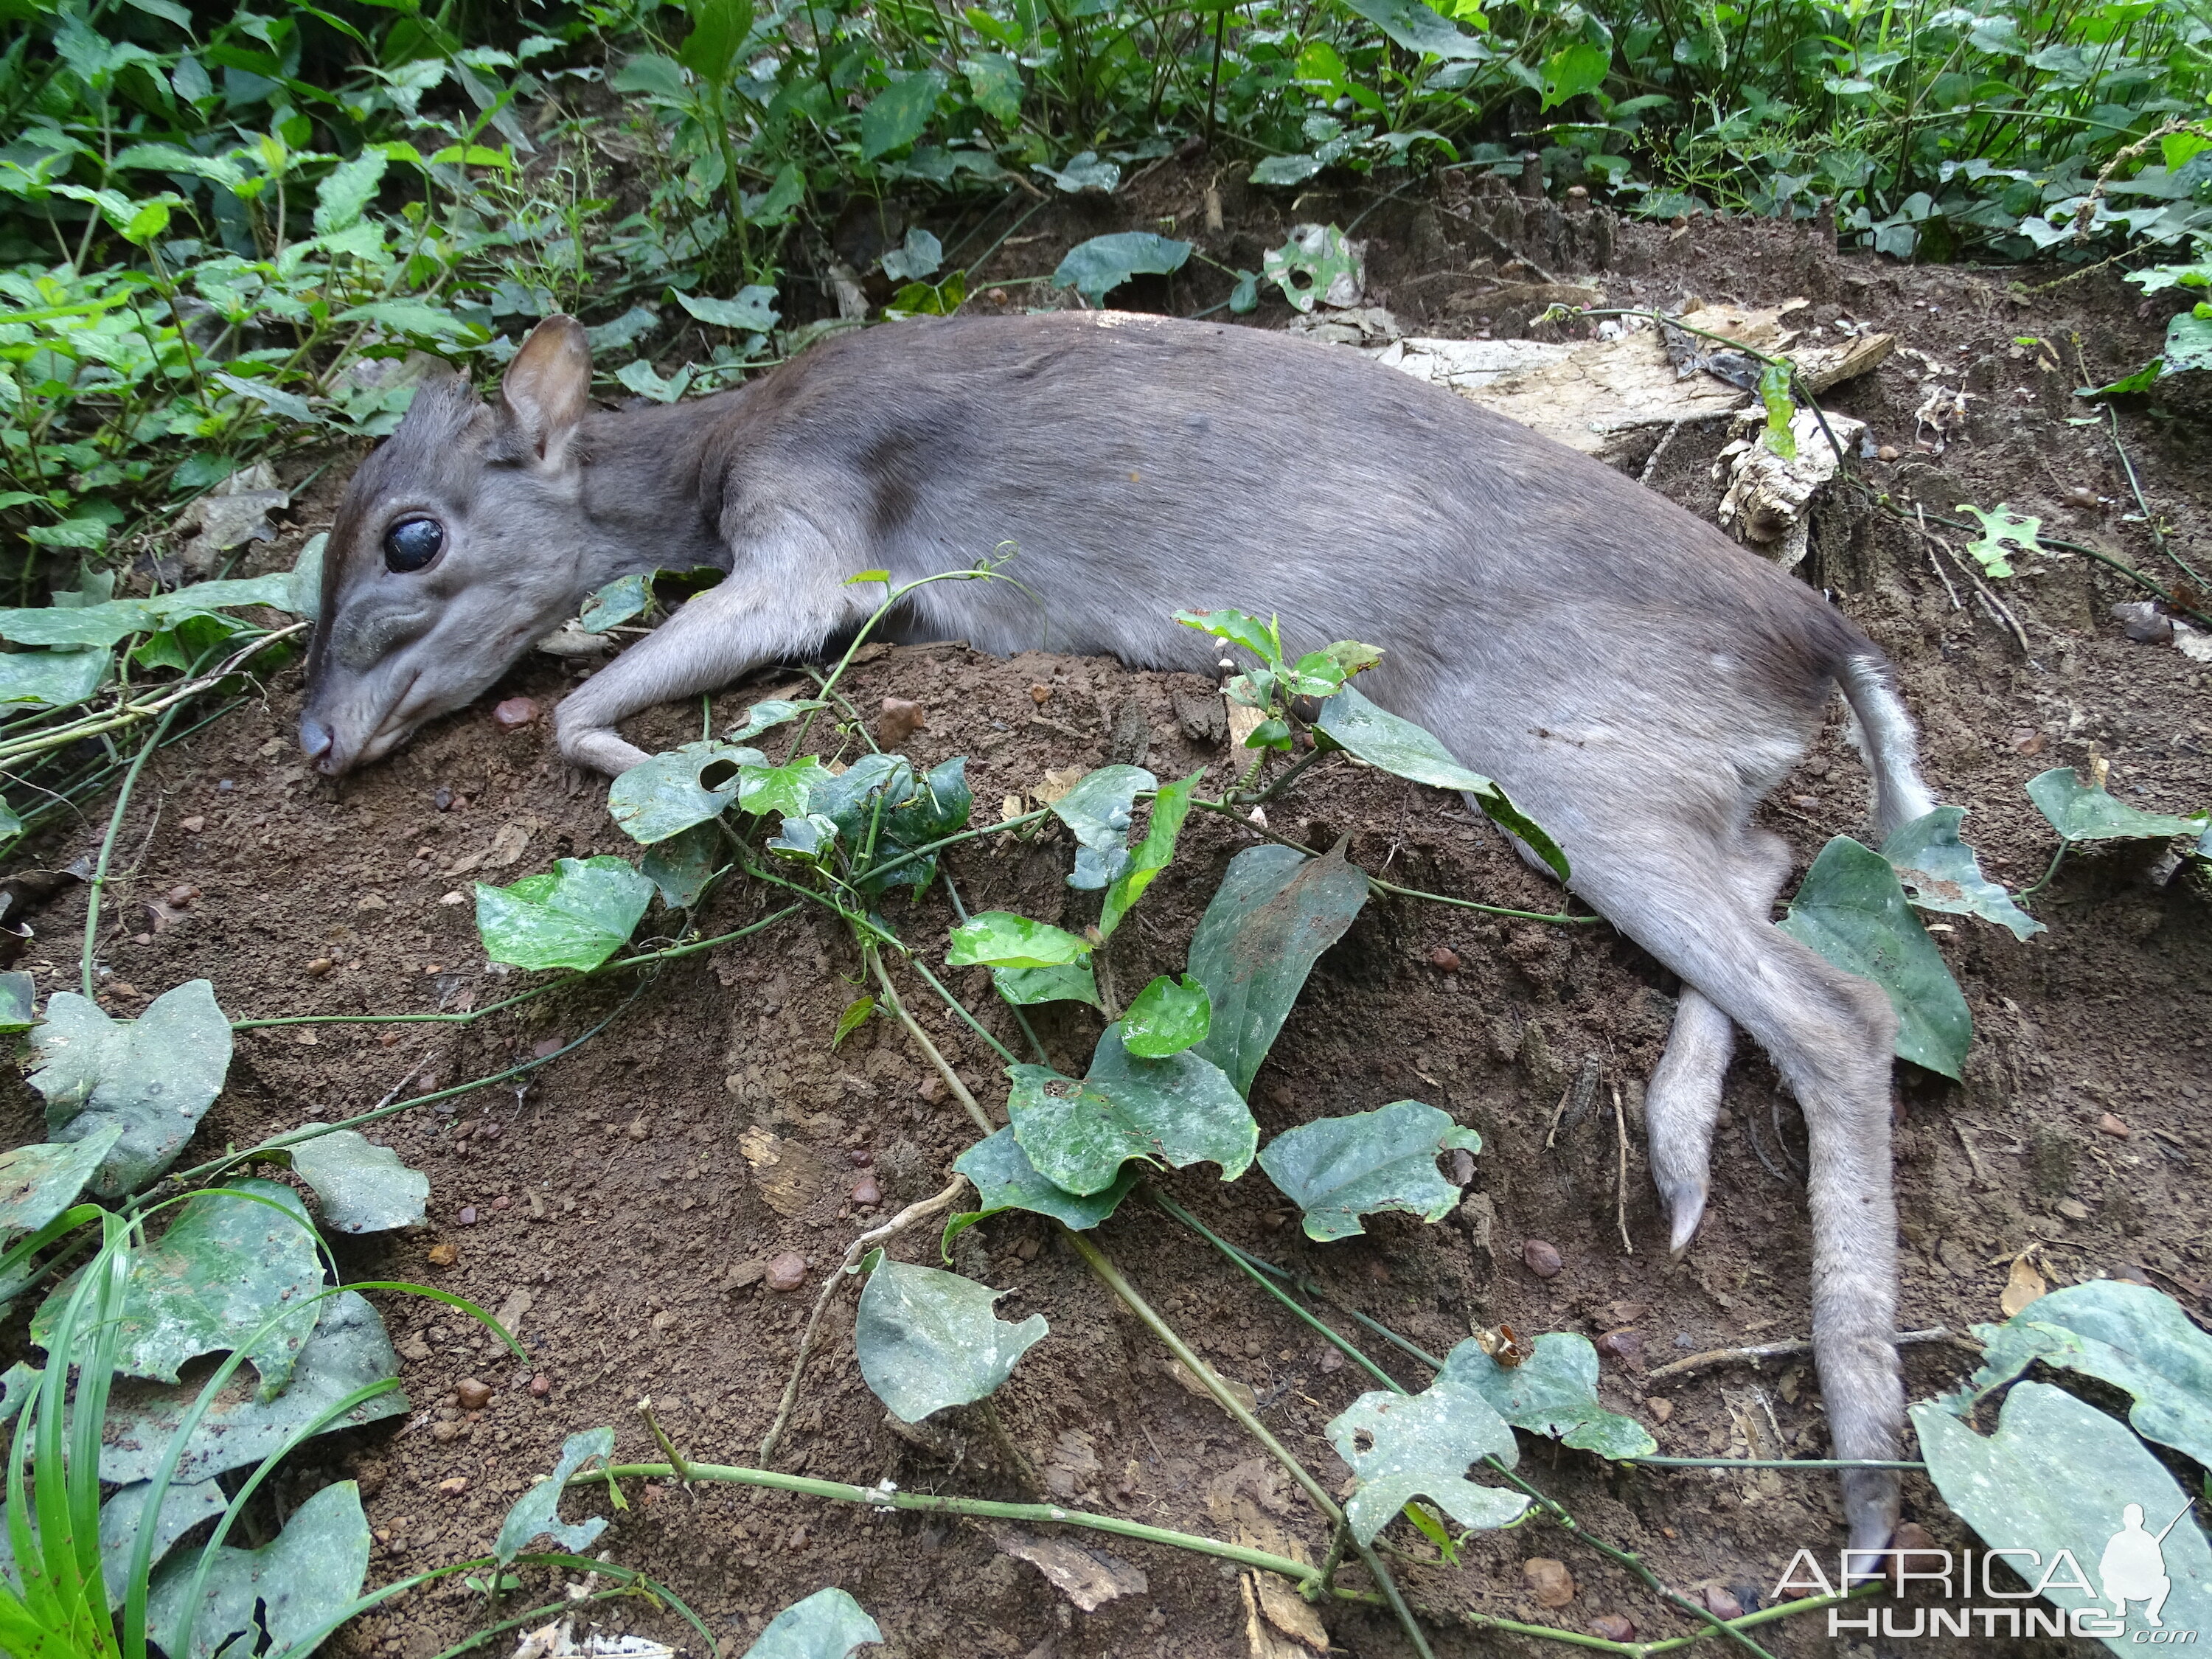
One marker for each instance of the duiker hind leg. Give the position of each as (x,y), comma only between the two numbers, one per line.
(1681,895)
(1682,1102)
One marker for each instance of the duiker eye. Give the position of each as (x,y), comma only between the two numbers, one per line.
(412,543)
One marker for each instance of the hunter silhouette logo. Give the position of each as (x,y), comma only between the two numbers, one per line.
(2133,1566)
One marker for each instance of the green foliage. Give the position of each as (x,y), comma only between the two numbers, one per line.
(1551,1392)
(827,1625)
(1096,268)
(575,916)
(1337,1170)
(310,1574)
(999,939)
(2003,533)
(1167,1017)
(1178,1111)
(1004,1179)
(360,1188)
(2088,812)
(1097,809)
(1939,872)
(152,1077)
(536,1513)
(668,793)
(926,1339)
(1401,1447)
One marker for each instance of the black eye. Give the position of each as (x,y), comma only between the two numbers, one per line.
(412,543)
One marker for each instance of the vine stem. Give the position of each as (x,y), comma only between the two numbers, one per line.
(99,883)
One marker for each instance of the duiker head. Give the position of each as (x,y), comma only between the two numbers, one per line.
(458,543)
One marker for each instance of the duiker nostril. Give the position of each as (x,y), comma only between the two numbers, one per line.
(314,738)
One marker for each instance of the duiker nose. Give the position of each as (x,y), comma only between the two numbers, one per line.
(315,739)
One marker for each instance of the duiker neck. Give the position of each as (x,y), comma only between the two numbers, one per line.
(647,492)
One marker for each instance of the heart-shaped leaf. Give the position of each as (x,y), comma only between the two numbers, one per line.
(1382,738)
(37,1183)
(536,1513)
(1340,1169)
(154,1075)
(183,1507)
(927,1339)
(1553,1391)
(1407,1446)
(753,311)
(999,939)
(774,712)
(1096,268)
(1097,809)
(667,795)
(1170,806)
(895,116)
(880,799)
(1274,913)
(1179,1111)
(575,916)
(301,1581)
(785,788)
(2083,811)
(1262,639)
(364,1187)
(1004,1179)
(623,597)
(1029,985)
(1940,873)
(1851,910)
(1421,28)
(827,1625)
(1168,1017)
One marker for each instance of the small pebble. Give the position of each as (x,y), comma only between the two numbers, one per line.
(2027,741)
(862,1156)
(514,714)
(194,824)
(540,1385)
(183,895)
(2114,1126)
(225,787)
(500,1202)
(1660,1409)
(467,1218)
(1462,1166)
(900,721)
(2072,1208)
(1549,1581)
(1541,1259)
(637,1129)
(867,1192)
(443,1432)
(2081,496)
(1445,959)
(474,1395)
(2141,621)
(547,1048)
(1719,1603)
(442,798)
(1040,694)
(1614,1627)
(786,1271)
(445,1256)
(453,1485)
(320,966)
(1628,1347)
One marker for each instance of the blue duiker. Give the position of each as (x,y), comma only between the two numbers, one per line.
(1636,680)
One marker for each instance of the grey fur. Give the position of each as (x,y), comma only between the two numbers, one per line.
(1634,679)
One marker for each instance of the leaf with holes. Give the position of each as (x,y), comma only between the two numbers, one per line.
(1170,806)
(301,1581)
(926,1339)
(1383,739)
(1274,913)
(1168,1017)
(1097,809)
(1554,1392)
(1851,909)
(827,1625)
(1401,1447)
(999,939)
(1939,872)
(2132,1336)
(1004,1179)
(536,1513)
(2088,812)
(227,1264)
(1096,268)
(1177,1111)
(364,1187)
(154,1075)
(2003,533)
(575,916)
(37,1183)
(667,795)
(1316,264)
(1337,1170)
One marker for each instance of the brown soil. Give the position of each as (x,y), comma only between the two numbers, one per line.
(613,1192)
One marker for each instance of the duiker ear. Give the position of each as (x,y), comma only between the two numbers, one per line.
(547,387)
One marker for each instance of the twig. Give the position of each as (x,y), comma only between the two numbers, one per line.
(921,1039)
(2150,519)
(1758,1351)
(660,1439)
(1651,462)
(1620,1192)
(107,849)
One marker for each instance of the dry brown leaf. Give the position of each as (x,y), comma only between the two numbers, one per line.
(1057,784)
(1261,1639)
(507,844)
(2023,1287)
(791,1175)
(1089,1578)
(1242,1392)
(1073,1468)
(510,1312)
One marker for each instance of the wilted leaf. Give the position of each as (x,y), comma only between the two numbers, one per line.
(827,1625)
(1097,809)
(2059,1474)
(1553,1391)
(348,1352)
(1094,268)
(1382,738)
(1852,911)
(1004,1179)
(536,1513)
(1168,1017)
(308,1575)
(2023,1287)
(364,1188)
(575,916)
(183,1507)
(1340,1169)
(153,1075)
(37,1183)
(669,792)
(1407,1446)
(1275,912)
(927,1339)
(1170,806)
(226,1265)
(1940,873)
(1179,1111)
(2081,811)
(999,939)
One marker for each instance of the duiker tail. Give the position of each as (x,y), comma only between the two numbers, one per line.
(1882,730)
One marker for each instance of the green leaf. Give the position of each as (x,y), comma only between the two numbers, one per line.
(785,788)
(101,625)
(1402,1447)
(1262,640)
(51,679)
(1553,1392)
(1573,70)
(813,838)
(1382,738)
(303,590)
(290,404)
(764,716)
(349,1352)
(1340,1169)
(1096,268)
(906,812)
(1939,872)
(1004,1179)
(364,1187)
(1323,673)
(1000,938)
(919,255)
(1774,383)
(1275,912)
(1167,1018)
(1273,733)
(2132,1336)
(1170,806)
(996,81)
(1178,1111)
(2188,342)
(37,1183)
(2059,1474)
(347,189)
(87,533)
(855,1017)
(654,75)
(753,311)
(1308,267)
(302,1581)
(719,28)
(1852,911)
(667,795)
(1097,810)
(623,597)
(1245,296)
(642,378)
(121,1516)
(1029,986)
(827,1625)
(154,1075)
(2080,811)
(1083,171)
(575,916)
(1286,170)
(2002,530)
(896,117)
(225,1265)
(1421,29)
(536,1513)
(681,866)
(927,1339)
